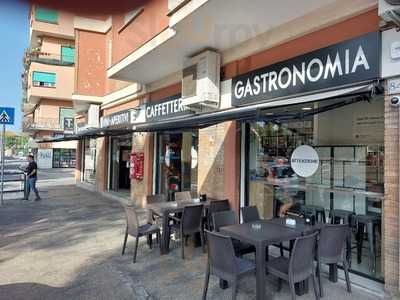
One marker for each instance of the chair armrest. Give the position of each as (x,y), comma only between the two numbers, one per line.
(175,219)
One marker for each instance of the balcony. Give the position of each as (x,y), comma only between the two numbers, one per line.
(30,124)
(46,22)
(237,30)
(59,84)
(36,55)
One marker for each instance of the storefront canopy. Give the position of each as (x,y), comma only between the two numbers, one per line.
(90,133)
(348,95)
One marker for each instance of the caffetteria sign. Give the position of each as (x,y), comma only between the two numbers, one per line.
(167,108)
(352,61)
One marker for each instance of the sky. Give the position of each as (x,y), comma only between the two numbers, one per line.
(14,31)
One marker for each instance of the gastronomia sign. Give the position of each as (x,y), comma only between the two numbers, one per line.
(352,61)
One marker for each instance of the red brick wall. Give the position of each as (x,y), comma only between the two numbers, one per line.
(391,202)
(90,76)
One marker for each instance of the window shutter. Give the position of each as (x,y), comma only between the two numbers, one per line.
(46,15)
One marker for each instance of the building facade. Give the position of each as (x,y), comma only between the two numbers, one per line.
(272,107)
(48,85)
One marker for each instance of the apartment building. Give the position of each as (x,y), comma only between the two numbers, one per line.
(48,85)
(220,99)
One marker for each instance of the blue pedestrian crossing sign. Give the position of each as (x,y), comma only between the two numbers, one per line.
(7,115)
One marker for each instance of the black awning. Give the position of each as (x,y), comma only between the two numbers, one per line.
(90,133)
(252,111)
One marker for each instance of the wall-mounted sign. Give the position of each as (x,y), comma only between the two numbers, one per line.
(69,125)
(352,61)
(124,117)
(171,107)
(304,161)
(393,86)
(45,158)
(137,166)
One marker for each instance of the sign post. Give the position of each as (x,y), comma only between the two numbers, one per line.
(6,118)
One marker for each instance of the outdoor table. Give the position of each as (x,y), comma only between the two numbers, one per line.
(271,232)
(165,209)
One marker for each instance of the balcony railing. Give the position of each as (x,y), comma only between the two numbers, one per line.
(53,124)
(34,55)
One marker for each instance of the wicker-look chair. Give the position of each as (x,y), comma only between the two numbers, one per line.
(134,229)
(223,263)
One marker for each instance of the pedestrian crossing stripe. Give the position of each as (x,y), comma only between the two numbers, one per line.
(4,118)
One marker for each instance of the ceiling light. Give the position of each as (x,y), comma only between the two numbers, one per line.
(307,108)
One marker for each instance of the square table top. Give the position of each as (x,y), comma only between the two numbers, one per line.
(268,231)
(176,206)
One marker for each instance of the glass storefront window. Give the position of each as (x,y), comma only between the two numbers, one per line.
(349,141)
(177,162)
(89,163)
(64,158)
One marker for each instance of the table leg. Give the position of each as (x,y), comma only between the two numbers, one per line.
(223,284)
(165,235)
(301,288)
(333,274)
(260,272)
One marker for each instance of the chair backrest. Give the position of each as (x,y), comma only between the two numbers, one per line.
(301,262)
(156,198)
(331,243)
(250,214)
(132,221)
(221,255)
(183,196)
(224,218)
(192,218)
(218,205)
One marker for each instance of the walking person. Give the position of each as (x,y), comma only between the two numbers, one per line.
(31,171)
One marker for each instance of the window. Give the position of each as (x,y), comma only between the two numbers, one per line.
(44,79)
(68,54)
(64,158)
(46,15)
(67,118)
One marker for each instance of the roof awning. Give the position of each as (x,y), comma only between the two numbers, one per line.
(90,133)
(253,111)
(349,95)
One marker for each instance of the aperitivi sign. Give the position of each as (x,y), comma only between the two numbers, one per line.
(346,63)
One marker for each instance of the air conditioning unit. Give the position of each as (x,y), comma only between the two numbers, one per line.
(389,11)
(93,116)
(201,82)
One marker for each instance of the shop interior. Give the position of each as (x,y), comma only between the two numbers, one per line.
(89,160)
(121,148)
(176,162)
(348,135)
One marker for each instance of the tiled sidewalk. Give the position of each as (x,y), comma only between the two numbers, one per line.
(68,246)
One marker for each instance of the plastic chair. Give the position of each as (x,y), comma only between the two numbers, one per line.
(158,198)
(331,250)
(134,229)
(183,196)
(250,214)
(189,224)
(214,207)
(226,218)
(300,265)
(368,223)
(223,263)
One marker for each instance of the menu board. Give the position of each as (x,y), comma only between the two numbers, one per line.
(137,166)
